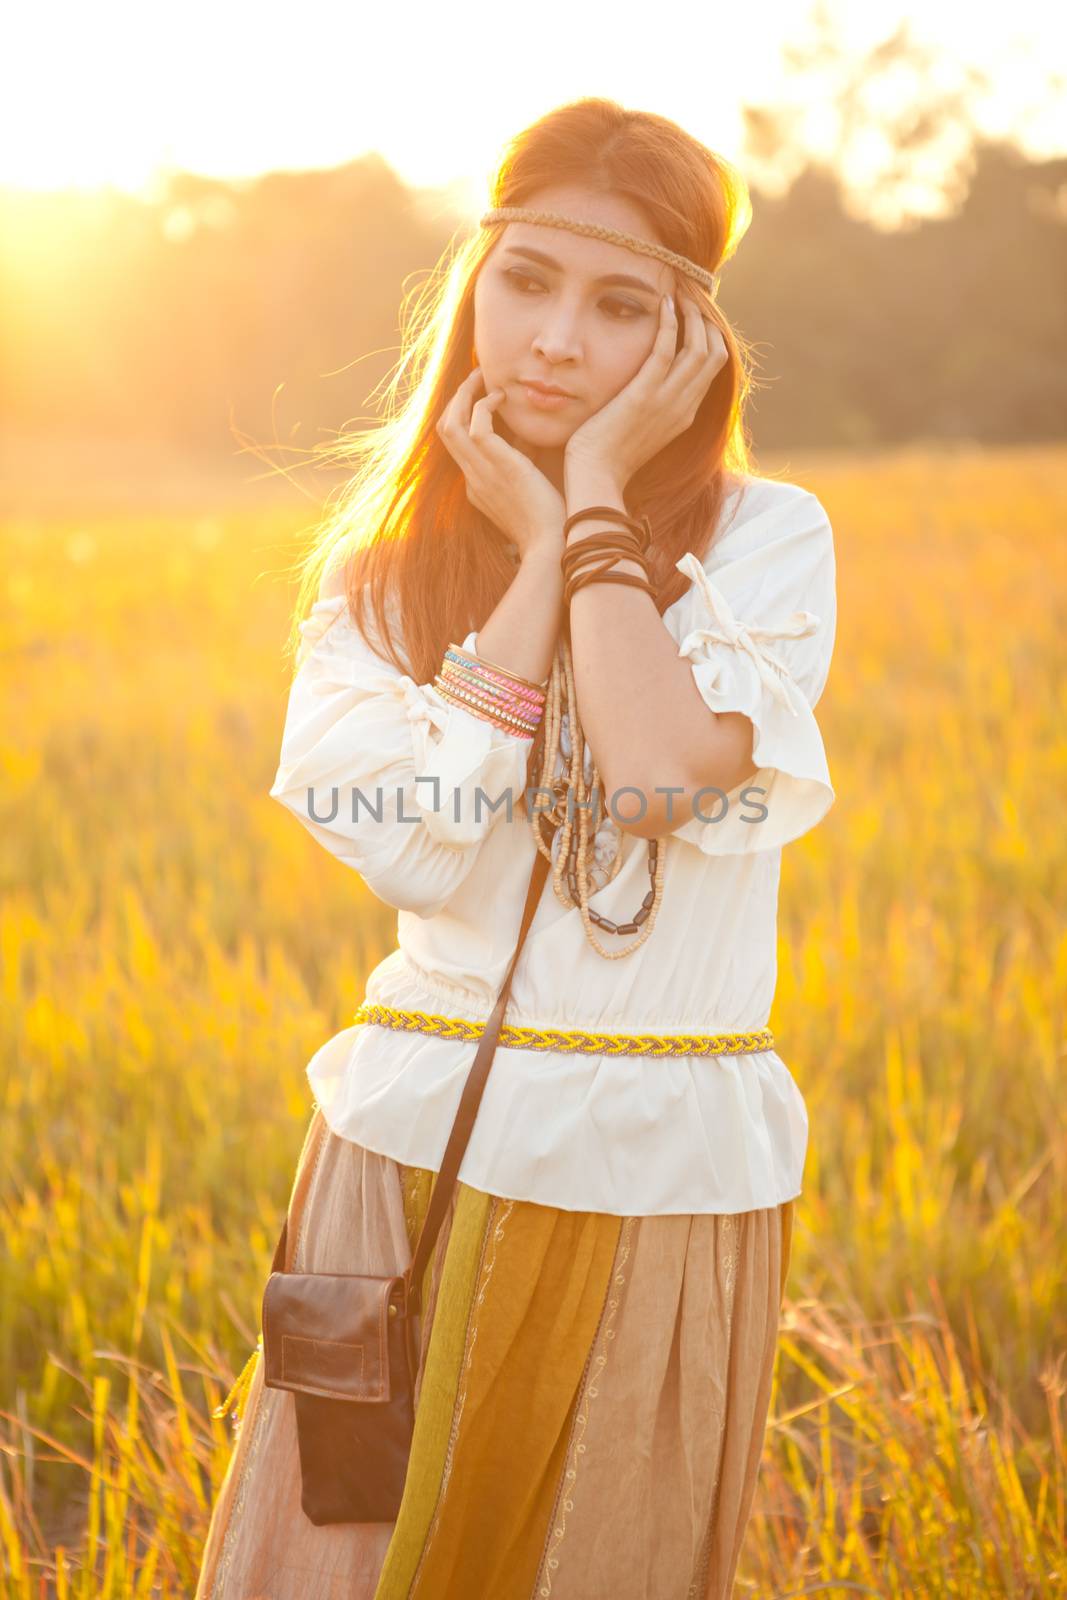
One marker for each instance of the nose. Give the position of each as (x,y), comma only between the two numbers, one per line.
(558,338)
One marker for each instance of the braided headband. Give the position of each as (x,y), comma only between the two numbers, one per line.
(596,230)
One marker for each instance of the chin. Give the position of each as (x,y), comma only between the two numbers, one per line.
(534,428)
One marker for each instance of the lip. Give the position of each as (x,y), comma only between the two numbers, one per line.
(541,398)
(546,388)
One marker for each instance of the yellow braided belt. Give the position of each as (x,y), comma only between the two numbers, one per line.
(561,1041)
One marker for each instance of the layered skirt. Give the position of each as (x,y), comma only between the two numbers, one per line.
(590,1405)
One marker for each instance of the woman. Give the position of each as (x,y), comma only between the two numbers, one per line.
(601,1309)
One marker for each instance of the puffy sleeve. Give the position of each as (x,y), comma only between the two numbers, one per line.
(757,627)
(383,771)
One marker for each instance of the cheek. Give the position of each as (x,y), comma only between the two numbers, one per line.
(495,324)
(623,355)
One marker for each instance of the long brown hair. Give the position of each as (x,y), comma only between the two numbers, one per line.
(402,525)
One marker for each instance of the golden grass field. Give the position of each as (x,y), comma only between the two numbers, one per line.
(175,947)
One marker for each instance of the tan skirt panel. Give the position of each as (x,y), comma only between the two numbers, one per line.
(649,1486)
(346,1214)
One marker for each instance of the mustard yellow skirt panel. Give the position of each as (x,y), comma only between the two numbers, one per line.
(590,1404)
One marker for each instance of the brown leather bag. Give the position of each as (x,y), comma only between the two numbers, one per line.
(347,1345)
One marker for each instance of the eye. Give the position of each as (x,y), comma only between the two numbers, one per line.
(513,275)
(627,306)
(627,310)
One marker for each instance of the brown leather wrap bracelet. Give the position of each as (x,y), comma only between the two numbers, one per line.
(600,551)
(640,526)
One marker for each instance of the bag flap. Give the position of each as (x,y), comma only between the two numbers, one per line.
(327,1334)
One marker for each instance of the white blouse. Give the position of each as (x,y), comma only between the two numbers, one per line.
(627,1135)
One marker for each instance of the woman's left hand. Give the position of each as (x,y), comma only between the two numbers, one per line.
(660,401)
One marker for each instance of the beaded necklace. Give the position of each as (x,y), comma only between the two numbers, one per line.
(573,857)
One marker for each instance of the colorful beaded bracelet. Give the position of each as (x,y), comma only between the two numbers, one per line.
(510,702)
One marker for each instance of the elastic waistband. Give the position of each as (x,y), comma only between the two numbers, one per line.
(563,1041)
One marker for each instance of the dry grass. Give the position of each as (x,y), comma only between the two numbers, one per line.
(174,949)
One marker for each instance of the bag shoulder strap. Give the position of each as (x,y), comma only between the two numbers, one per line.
(469,1102)
(465,1115)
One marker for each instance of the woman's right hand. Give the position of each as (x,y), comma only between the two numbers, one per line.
(501,482)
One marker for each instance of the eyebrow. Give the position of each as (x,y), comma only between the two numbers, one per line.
(625,278)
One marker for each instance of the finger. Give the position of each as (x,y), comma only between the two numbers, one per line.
(481,423)
(718,355)
(701,378)
(714,335)
(458,410)
(696,332)
(453,432)
(446,421)
(456,443)
(464,398)
(667,333)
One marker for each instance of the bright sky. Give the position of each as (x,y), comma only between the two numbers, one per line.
(115,92)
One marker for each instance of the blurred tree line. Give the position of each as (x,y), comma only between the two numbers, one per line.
(268,308)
